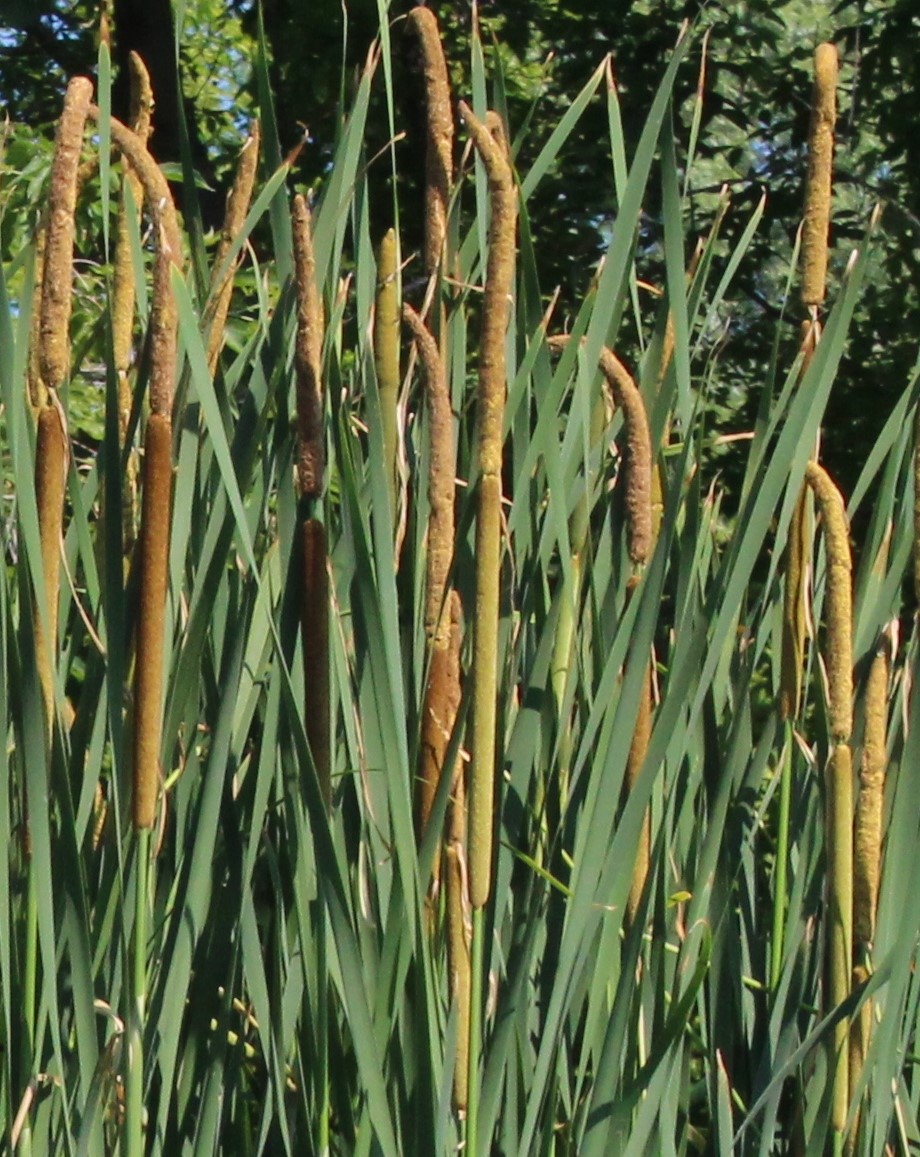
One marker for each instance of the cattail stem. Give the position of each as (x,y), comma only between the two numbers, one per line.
(386,355)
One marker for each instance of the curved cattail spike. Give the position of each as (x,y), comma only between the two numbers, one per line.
(308,356)
(442,688)
(439,149)
(490,413)
(627,397)
(51,457)
(818,185)
(839,602)
(57,267)
(237,208)
(386,354)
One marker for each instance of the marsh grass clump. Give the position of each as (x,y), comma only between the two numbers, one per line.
(254,948)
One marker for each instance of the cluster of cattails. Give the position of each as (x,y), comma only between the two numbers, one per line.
(853,830)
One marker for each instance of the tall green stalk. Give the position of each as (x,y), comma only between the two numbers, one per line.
(492,147)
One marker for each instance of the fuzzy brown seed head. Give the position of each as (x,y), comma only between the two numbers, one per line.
(51,455)
(439,149)
(628,399)
(386,353)
(154,560)
(818,186)
(308,355)
(838,601)
(57,272)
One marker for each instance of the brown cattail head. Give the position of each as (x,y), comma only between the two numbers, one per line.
(151,619)
(818,186)
(386,353)
(57,271)
(234,218)
(308,356)
(51,454)
(439,149)
(638,749)
(627,398)
(838,601)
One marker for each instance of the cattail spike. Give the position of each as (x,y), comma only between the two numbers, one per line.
(818,185)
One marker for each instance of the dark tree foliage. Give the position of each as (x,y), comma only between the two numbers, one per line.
(752,138)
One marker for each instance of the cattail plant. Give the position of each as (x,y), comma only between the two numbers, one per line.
(839,776)
(315,589)
(638,486)
(492,148)
(818,186)
(867,844)
(153,552)
(222,272)
(439,147)
(386,356)
(123,291)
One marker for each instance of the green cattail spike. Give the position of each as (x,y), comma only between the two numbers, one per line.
(442,691)
(868,834)
(491,407)
(818,185)
(234,218)
(439,151)
(839,602)
(386,355)
(794,609)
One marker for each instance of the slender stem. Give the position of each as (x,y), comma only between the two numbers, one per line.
(24,1145)
(780,873)
(135,1082)
(322,1033)
(476,990)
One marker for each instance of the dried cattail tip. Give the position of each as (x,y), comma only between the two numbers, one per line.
(818,186)
(439,151)
(57,272)
(839,601)
(308,355)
